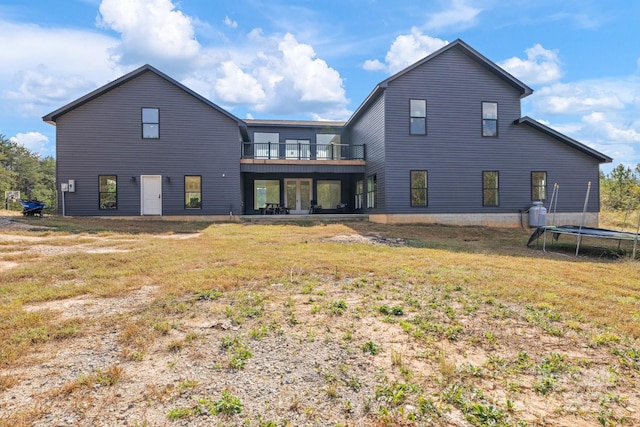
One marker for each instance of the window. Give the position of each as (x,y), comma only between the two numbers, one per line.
(329,194)
(265,191)
(372,186)
(193,192)
(267,145)
(359,194)
(328,146)
(538,186)
(418,117)
(297,148)
(108,193)
(419,188)
(489,119)
(490,196)
(150,123)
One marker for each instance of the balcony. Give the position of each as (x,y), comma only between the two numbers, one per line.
(298,153)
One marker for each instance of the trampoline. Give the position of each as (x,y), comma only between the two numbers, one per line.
(579,231)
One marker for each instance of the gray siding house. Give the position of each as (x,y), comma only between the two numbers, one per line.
(441,141)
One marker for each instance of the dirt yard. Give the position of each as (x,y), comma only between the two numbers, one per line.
(349,351)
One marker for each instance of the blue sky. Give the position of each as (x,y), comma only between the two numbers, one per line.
(320,59)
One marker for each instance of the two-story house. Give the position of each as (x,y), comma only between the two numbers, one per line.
(441,141)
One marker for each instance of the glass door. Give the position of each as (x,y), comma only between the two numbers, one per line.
(298,193)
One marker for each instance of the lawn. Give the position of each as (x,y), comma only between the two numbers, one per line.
(313,324)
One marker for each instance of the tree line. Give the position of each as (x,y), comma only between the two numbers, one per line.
(620,189)
(27,172)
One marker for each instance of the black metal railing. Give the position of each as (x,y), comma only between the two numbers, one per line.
(302,151)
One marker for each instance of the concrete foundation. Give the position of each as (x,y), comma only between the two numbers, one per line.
(503,220)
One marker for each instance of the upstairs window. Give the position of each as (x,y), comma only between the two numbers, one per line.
(108,191)
(418,116)
(419,188)
(267,145)
(490,189)
(328,146)
(489,119)
(297,148)
(193,192)
(151,123)
(538,186)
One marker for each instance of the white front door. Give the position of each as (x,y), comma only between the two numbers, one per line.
(151,195)
(297,195)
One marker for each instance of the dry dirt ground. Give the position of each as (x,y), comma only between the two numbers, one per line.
(309,365)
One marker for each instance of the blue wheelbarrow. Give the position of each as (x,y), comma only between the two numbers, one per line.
(32,207)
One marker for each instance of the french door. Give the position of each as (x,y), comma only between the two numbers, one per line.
(297,195)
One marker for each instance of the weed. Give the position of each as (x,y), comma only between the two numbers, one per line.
(175,346)
(347,407)
(453,332)
(228,404)
(553,364)
(354,383)
(454,394)
(250,304)
(7,381)
(163,327)
(337,308)
(179,413)
(240,355)
(544,385)
(605,338)
(391,311)
(184,384)
(332,390)
(428,408)
(208,295)
(371,348)
(259,333)
(484,415)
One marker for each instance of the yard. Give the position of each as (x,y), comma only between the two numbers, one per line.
(147,323)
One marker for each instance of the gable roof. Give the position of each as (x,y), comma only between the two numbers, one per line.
(471,52)
(53,116)
(602,158)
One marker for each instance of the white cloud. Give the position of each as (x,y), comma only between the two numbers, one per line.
(33,141)
(311,76)
(237,87)
(459,16)
(230,22)
(40,88)
(41,78)
(542,66)
(580,97)
(599,124)
(151,31)
(405,50)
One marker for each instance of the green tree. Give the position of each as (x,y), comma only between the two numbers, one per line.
(621,188)
(22,170)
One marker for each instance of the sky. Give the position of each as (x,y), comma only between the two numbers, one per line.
(319,60)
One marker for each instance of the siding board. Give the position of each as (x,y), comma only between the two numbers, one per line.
(103,136)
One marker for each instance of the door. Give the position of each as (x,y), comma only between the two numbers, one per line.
(151,195)
(297,195)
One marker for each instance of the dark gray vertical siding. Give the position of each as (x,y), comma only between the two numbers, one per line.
(369,129)
(454,151)
(103,137)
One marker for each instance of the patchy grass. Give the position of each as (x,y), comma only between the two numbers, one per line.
(460,323)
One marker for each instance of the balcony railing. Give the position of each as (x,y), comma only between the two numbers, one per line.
(302,151)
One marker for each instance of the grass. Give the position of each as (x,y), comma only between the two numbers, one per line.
(270,279)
